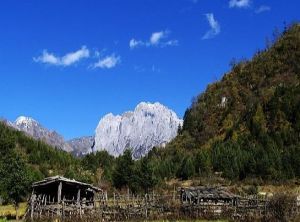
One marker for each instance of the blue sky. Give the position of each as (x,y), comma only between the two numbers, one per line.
(68,63)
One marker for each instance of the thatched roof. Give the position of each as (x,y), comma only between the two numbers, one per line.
(204,192)
(56,179)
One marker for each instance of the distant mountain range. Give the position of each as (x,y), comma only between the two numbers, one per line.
(147,126)
(34,129)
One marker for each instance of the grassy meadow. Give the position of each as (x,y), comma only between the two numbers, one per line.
(8,211)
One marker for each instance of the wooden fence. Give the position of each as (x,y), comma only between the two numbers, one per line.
(145,207)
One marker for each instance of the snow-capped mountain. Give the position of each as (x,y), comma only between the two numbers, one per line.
(147,126)
(78,146)
(82,145)
(34,129)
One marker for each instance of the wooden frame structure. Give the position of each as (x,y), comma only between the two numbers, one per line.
(59,196)
(203,194)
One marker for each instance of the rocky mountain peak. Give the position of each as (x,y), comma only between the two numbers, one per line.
(149,125)
(25,122)
(34,129)
(82,146)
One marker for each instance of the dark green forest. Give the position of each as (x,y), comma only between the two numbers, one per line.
(247,125)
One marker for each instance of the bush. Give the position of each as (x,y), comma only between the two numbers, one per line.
(281,208)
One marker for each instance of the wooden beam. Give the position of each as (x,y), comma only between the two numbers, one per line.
(32,202)
(59,192)
(78,196)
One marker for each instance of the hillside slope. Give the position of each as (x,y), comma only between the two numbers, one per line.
(263,85)
(41,159)
(247,124)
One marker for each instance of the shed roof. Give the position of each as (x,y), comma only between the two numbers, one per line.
(208,192)
(50,180)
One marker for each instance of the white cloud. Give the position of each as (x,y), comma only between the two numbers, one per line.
(97,54)
(66,60)
(263,8)
(158,39)
(135,43)
(74,57)
(239,3)
(47,58)
(157,36)
(108,62)
(171,43)
(215,28)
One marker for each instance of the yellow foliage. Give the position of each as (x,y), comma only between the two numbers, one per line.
(228,122)
(9,210)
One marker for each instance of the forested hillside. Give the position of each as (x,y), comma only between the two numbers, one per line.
(24,160)
(247,124)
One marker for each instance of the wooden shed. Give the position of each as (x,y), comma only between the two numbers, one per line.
(204,195)
(60,196)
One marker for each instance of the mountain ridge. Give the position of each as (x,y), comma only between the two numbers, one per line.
(77,146)
(34,129)
(86,144)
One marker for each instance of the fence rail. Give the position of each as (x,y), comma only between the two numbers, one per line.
(146,207)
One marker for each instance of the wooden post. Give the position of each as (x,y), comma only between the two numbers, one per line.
(59,198)
(128,194)
(94,202)
(63,208)
(174,194)
(186,196)
(146,207)
(78,196)
(32,205)
(114,208)
(59,192)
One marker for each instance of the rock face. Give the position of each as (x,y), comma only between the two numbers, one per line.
(82,146)
(147,126)
(37,131)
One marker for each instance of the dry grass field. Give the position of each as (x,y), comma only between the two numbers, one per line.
(9,211)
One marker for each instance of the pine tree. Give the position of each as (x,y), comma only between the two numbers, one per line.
(147,179)
(124,170)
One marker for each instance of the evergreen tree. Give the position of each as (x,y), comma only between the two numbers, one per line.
(202,162)
(14,183)
(122,175)
(187,168)
(147,179)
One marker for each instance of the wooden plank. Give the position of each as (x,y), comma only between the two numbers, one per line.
(78,196)
(59,189)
